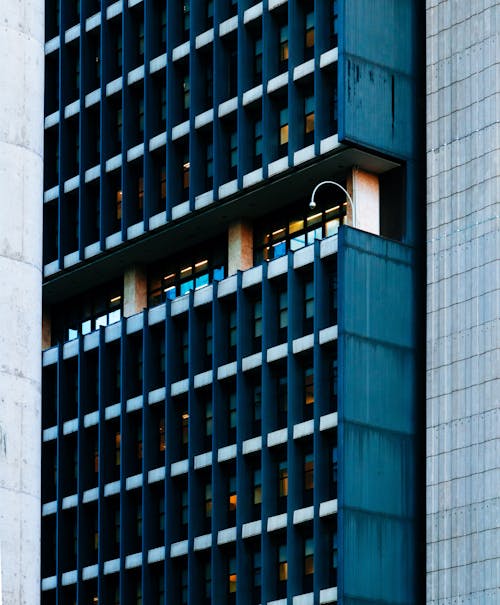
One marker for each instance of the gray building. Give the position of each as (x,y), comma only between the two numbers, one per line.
(463,303)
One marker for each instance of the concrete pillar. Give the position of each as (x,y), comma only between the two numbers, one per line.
(21,187)
(463,303)
(364,189)
(135,290)
(240,247)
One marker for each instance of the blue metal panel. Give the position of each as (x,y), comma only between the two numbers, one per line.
(377,410)
(377,74)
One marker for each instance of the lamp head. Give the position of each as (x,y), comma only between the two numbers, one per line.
(312,204)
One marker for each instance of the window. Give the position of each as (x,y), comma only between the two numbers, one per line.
(283,48)
(257,61)
(185,174)
(232,496)
(282,570)
(277,235)
(282,315)
(257,409)
(232,334)
(309,120)
(308,478)
(209,166)
(184,507)
(257,487)
(283,132)
(282,394)
(308,393)
(283,479)
(232,576)
(232,416)
(309,36)
(233,155)
(308,563)
(257,143)
(185,18)
(308,306)
(208,500)
(256,575)
(257,324)
(185,96)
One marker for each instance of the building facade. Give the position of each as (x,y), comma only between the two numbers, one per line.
(463,244)
(231,378)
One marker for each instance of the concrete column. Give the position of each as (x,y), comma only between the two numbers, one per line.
(240,247)
(135,290)
(463,303)
(21,187)
(364,189)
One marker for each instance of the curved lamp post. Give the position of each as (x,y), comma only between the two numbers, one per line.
(312,203)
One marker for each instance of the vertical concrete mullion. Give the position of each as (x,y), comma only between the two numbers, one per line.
(146,500)
(101,449)
(123,444)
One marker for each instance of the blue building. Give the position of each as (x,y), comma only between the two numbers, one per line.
(231,378)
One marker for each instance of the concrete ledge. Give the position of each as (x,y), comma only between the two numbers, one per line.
(157,314)
(160,140)
(112,411)
(158,63)
(49,508)
(179,468)
(89,572)
(328,335)
(252,445)
(228,188)
(91,419)
(303,155)
(277,352)
(226,453)
(277,437)
(69,577)
(304,599)
(50,434)
(181,51)
(328,508)
(93,97)
(180,210)
(251,362)
(92,174)
(252,95)
(90,495)
(179,388)
(133,482)
(277,522)
(328,595)
(278,266)
(114,9)
(72,33)
(156,474)
(227,107)
(252,178)
(70,426)
(202,542)
(156,554)
(179,305)
(203,200)
(135,403)
(302,344)
(225,536)
(135,75)
(180,130)
(228,26)
(329,421)
(202,460)
(203,296)
(303,429)
(277,82)
(303,257)
(135,152)
(203,379)
(328,246)
(205,38)
(226,371)
(329,57)
(69,502)
(254,528)
(114,86)
(329,144)
(52,45)
(304,69)
(51,120)
(178,549)
(302,515)
(93,22)
(252,276)
(112,566)
(111,489)
(277,166)
(157,395)
(254,12)
(134,560)
(49,583)
(114,163)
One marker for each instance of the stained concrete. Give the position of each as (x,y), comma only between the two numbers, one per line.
(21,184)
(463,302)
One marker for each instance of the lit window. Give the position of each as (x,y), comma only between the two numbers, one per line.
(308,386)
(284,126)
(309,37)
(117,448)
(308,557)
(283,479)
(257,60)
(309,115)
(208,500)
(233,498)
(185,428)
(282,563)
(232,575)
(283,46)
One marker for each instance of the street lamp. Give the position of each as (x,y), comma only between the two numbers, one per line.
(312,203)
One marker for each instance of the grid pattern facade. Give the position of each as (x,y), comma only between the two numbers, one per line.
(157,109)
(196,446)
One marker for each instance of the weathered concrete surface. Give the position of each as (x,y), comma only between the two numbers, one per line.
(135,290)
(21,184)
(463,302)
(240,247)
